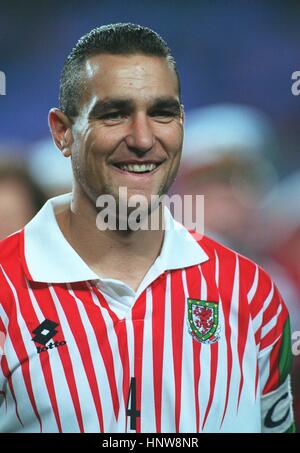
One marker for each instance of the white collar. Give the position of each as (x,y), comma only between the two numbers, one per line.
(50,258)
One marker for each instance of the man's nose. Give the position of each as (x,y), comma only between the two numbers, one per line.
(140,136)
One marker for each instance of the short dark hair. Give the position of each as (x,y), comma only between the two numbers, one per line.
(115,39)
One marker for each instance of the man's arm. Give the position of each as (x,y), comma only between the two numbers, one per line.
(275,362)
(2,393)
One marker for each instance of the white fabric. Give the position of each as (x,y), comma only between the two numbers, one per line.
(276,409)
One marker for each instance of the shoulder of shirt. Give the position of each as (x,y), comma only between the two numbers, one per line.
(213,247)
(256,282)
(10,263)
(10,247)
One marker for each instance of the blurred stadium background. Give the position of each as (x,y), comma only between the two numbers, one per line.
(242,138)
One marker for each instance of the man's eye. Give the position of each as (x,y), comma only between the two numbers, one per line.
(165,115)
(114,116)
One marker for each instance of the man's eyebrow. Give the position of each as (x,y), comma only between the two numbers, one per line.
(110,104)
(105,105)
(166,103)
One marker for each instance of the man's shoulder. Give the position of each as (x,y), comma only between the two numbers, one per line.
(214,248)
(11,269)
(236,274)
(10,247)
(233,261)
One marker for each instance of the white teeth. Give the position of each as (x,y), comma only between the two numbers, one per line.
(137,168)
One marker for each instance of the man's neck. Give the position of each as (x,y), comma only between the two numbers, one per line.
(122,255)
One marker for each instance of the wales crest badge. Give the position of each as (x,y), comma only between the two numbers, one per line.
(203,319)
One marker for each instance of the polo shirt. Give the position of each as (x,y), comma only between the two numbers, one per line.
(203,345)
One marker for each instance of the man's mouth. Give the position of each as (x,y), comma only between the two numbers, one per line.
(138,168)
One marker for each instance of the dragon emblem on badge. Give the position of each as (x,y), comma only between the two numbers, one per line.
(203,319)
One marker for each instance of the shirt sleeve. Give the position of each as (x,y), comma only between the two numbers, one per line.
(275,363)
(2,377)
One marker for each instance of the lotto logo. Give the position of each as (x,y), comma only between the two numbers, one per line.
(45,332)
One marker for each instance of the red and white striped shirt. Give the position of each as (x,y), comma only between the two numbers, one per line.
(202,346)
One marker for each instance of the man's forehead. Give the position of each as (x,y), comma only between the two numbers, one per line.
(122,63)
(96,62)
(104,69)
(129,77)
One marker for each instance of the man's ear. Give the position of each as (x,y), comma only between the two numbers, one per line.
(60,127)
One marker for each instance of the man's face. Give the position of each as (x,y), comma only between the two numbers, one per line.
(129,130)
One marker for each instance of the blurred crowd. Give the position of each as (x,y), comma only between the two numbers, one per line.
(230,156)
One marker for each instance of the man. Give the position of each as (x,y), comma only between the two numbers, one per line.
(133,330)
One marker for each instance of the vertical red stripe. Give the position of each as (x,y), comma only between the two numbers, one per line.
(121,332)
(177,315)
(243,325)
(2,327)
(158,335)
(274,376)
(21,238)
(193,279)
(209,273)
(226,282)
(262,292)
(197,371)
(138,320)
(213,375)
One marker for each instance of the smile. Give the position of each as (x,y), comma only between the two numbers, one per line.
(137,168)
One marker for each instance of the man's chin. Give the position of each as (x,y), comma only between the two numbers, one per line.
(127,209)
(129,216)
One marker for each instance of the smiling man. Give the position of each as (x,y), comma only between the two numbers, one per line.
(128,134)
(133,330)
